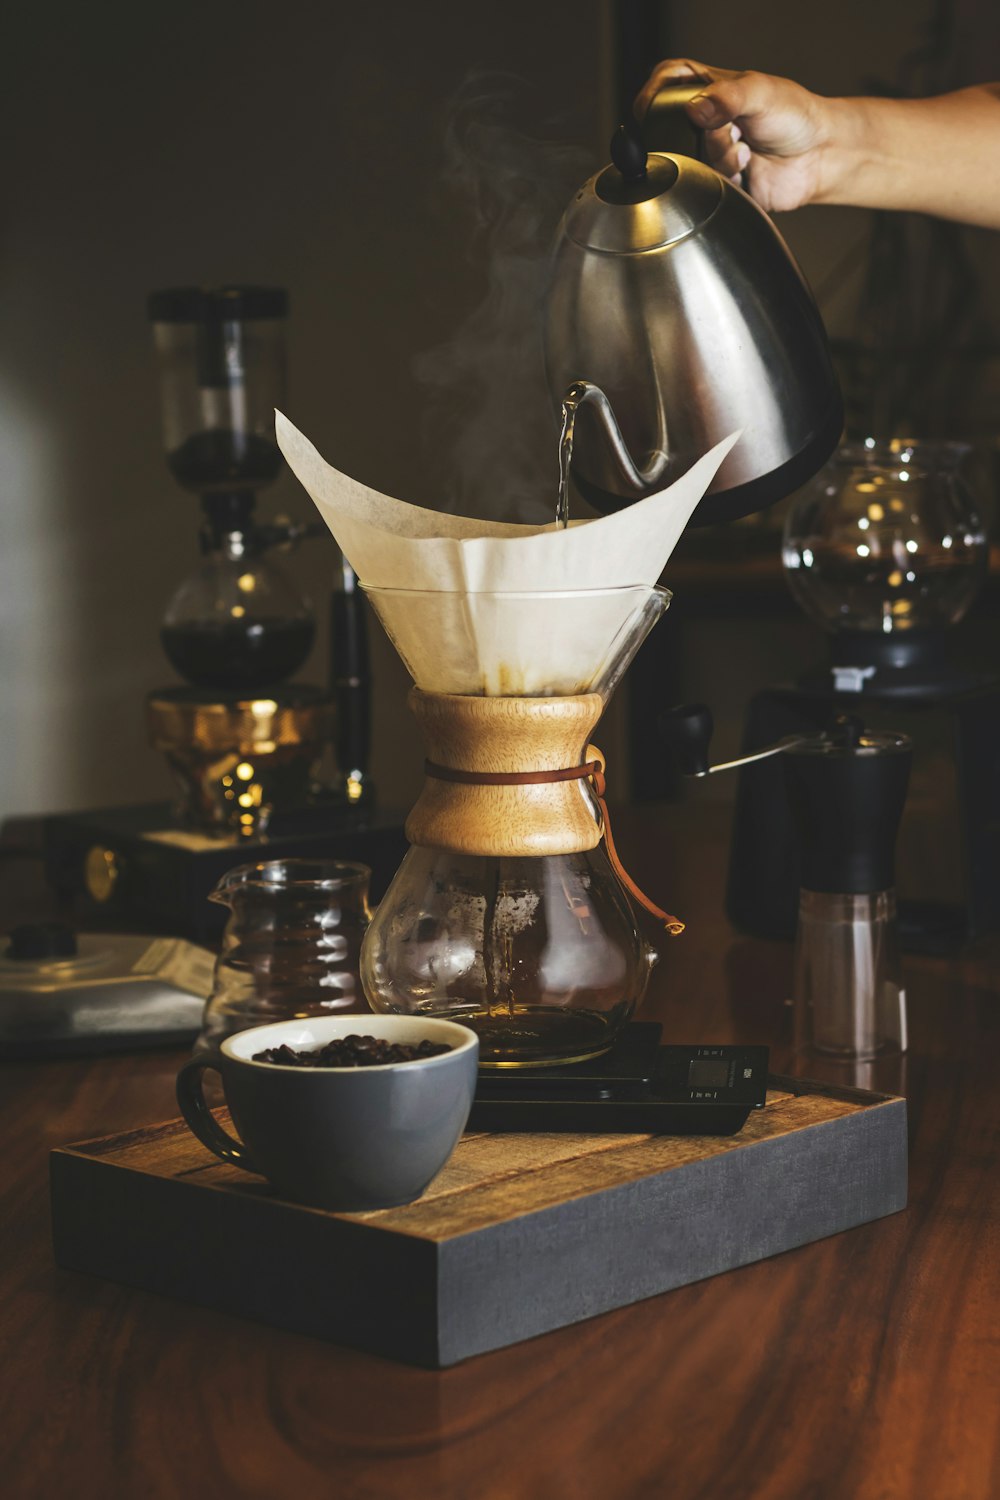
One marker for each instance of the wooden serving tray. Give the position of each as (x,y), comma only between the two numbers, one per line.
(519,1234)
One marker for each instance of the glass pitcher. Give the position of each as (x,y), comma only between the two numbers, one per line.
(291,946)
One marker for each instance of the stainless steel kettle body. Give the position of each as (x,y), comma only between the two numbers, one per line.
(672,292)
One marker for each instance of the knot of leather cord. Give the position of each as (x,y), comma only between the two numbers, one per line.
(590,770)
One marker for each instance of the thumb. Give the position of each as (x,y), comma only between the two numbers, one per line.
(672,70)
(729,99)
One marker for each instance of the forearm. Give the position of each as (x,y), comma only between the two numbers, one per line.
(936,156)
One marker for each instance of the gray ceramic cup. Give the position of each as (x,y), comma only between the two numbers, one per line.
(338,1138)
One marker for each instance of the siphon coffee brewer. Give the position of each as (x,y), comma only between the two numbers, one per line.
(238,737)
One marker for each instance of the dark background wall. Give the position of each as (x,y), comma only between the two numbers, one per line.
(317,146)
(155,144)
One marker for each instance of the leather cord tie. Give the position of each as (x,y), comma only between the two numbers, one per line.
(592,771)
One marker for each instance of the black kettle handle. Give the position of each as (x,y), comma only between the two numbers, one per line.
(666,127)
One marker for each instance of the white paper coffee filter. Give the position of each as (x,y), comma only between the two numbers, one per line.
(391,544)
(463,642)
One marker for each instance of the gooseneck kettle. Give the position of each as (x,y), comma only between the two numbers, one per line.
(677,313)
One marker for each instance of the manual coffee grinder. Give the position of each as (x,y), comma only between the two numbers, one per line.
(846,788)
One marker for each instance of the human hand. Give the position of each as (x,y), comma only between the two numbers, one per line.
(769,128)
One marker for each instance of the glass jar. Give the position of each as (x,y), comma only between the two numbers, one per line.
(291,946)
(849,1000)
(541,957)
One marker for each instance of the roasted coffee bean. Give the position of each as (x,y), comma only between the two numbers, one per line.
(352,1052)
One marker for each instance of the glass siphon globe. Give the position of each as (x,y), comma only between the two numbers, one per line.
(237,624)
(887,538)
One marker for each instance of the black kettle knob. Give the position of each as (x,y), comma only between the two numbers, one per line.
(686,731)
(41,940)
(629,153)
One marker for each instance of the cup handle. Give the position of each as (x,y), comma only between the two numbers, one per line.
(200,1119)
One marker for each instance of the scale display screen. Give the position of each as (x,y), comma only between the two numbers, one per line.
(708,1073)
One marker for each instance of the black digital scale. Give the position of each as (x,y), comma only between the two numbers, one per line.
(638,1086)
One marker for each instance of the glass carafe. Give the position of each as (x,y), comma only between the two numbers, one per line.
(507,913)
(541,957)
(291,946)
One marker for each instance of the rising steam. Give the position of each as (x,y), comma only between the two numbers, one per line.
(490,427)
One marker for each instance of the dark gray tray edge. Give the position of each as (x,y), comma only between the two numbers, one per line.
(525,1288)
(434,1304)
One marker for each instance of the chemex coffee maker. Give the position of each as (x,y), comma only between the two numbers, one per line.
(243,741)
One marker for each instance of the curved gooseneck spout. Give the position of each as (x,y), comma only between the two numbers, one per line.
(635,481)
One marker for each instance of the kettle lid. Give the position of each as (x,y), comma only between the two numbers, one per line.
(672,199)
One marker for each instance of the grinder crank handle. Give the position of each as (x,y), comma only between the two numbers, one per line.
(686,731)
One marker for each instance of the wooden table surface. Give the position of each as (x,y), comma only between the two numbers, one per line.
(866,1366)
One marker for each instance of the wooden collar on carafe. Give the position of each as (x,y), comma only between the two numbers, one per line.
(592,770)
